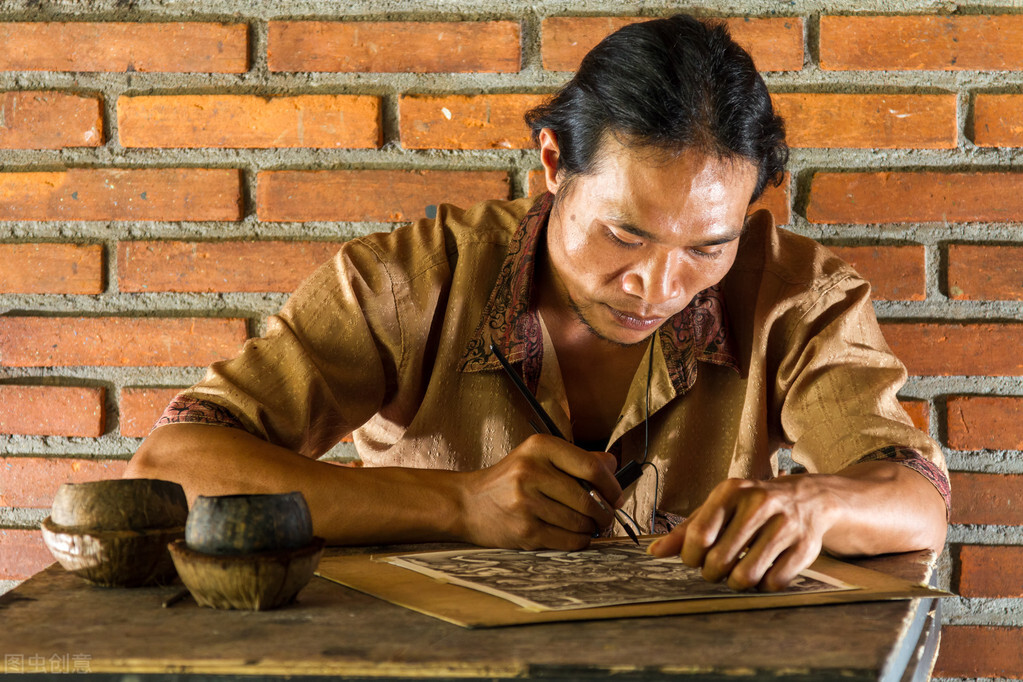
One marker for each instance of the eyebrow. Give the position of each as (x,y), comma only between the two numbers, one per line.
(643,234)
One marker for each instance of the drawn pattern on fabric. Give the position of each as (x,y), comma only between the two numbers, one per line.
(606,574)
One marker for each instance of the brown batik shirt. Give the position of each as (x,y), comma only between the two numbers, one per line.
(389,342)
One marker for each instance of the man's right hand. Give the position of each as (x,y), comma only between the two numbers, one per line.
(527,500)
(532,499)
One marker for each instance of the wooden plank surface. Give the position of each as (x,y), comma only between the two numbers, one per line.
(334,630)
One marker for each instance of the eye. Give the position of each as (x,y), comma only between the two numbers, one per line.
(619,241)
(710,255)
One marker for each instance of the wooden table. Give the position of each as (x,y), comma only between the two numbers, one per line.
(55,623)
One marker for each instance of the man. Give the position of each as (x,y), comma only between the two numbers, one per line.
(651,318)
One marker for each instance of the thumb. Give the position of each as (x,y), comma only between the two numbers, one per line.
(609,461)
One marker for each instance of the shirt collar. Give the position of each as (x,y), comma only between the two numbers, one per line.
(700,332)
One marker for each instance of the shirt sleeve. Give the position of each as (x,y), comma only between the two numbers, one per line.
(325,365)
(840,382)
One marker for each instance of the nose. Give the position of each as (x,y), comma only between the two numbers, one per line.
(657,280)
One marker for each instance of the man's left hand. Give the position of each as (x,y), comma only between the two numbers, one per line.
(753,533)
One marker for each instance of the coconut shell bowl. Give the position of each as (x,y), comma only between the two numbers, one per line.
(251,552)
(114,533)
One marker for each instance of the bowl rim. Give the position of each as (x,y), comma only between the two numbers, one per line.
(181,549)
(49,526)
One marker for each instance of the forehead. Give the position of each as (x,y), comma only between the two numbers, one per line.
(655,186)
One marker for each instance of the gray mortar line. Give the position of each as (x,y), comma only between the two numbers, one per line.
(439,9)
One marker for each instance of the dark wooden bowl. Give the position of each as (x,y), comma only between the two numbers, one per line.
(113,558)
(244,524)
(254,582)
(120,504)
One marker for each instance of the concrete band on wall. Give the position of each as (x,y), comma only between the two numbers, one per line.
(169,171)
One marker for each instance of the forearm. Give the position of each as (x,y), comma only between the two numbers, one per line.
(881,507)
(349,506)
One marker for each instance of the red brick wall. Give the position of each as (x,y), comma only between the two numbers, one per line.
(165,180)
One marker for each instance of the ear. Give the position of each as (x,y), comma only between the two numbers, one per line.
(549,155)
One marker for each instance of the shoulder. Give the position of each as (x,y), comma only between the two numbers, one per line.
(784,286)
(788,272)
(778,254)
(454,232)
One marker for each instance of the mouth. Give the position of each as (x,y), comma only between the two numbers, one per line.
(636,322)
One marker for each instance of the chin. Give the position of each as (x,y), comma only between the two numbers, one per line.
(631,339)
(602,321)
(622,336)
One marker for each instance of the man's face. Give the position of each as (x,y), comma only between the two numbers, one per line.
(631,244)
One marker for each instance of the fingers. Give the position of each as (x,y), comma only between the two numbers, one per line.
(565,474)
(788,566)
(751,518)
(671,544)
(535,497)
(754,534)
(701,531)
(534,533)
(566,504)
(759,565)
(596,468)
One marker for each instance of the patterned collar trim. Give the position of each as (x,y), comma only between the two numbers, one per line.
(700,332)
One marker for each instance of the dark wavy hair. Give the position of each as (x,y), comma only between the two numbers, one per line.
(669,84)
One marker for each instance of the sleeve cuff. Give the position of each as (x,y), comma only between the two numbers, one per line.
(911,458)
(186,410)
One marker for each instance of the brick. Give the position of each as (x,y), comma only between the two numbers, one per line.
(51,269)
(23,552)
(985,422)
(537,185)
(973,651)
(33,481)
(139,408)
(776,44)
(394,47)
(868,121)
(49,120)
(371,195)
(774,199)
(129,46)
(218,266)
(904,197)
(987,499)
(52,411)
(895,273)
(777,201)
(985,273)
(117,341)
(997,121)
(945,43)
(957,349)
(919,411)
(248,121)
(167,194)
(990,572)
(466,122)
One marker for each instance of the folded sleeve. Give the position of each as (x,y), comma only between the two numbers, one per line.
(325,365)
(839,382)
